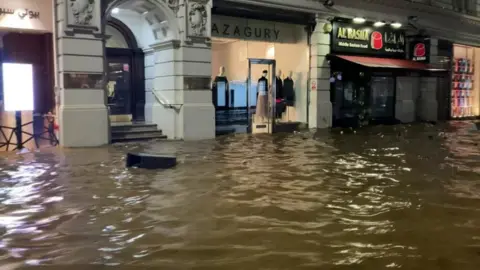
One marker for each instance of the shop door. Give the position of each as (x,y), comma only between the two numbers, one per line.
(261,100)
(119,86)
(382,99)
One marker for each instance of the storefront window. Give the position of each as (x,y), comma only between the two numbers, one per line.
(465,94)
(237,40)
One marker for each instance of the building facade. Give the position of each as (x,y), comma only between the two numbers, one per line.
(154,61)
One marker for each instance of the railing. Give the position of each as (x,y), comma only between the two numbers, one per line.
(469,7)
(164,102)
(46,132)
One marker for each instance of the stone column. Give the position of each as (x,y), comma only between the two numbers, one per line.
(320,106)
(163,88)
(428,107)
(194,71)
(83,115)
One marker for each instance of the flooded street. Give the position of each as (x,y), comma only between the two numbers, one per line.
(404,197)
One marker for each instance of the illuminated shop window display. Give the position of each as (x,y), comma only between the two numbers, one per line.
(465,93)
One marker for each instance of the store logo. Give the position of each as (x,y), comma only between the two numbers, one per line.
(376,41)
(21,13)
(419,52)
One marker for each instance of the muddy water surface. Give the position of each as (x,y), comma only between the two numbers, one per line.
(405,197)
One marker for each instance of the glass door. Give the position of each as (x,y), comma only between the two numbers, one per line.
(119,86)
(261,91)
(382,98)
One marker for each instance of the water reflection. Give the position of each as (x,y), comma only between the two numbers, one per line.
(404,197)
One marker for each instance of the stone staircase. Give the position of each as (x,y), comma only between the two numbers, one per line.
(122,132)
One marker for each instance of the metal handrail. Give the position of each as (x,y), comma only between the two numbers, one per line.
(165,102)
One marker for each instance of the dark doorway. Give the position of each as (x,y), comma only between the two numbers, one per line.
(125,67)
(35,49)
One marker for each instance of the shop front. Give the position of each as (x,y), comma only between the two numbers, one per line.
(372,82)
(26,40)
(260,72)
(465,90)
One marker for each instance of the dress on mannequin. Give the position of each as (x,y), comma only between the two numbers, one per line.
(289,91)
(279,87)
(279,102)
(262,96)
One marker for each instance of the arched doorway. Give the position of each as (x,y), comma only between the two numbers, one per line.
(125,73)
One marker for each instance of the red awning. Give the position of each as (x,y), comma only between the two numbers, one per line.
(376,62)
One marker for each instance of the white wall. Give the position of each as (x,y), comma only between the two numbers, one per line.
(138,25)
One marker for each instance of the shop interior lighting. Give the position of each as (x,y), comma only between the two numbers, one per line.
(359,20)
(379,24)
(115,10)
(396,25)
(18,87)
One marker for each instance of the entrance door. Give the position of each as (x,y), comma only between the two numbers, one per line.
(119,86)
(261,92)
(382,99)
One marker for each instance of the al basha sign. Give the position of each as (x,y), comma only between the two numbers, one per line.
(350,33)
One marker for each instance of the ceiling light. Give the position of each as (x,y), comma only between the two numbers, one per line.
(358,20)
(379,24)
(396,25)
(115,10)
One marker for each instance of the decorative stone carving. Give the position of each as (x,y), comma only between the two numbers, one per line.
(197,19)
(82,11)
(173,5)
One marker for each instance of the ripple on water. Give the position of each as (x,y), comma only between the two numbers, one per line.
(402,197)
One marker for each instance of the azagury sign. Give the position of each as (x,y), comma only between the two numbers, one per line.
(368,40)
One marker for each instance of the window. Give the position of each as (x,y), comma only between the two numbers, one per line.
(116,38)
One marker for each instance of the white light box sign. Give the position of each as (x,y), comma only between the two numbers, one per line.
(18,86)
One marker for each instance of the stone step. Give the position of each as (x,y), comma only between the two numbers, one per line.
(135,131)
(137,135)
(134,127)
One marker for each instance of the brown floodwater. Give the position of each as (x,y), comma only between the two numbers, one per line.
(399,197)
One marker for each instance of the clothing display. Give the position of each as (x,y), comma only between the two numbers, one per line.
(289,91)
(262,97)
(218,83)
(279,88)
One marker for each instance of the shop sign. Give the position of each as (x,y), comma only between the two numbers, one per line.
(366,39)
(247,29)
(21,13)
(419,50)
(236,31)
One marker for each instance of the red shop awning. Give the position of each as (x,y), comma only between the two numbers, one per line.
(375,62)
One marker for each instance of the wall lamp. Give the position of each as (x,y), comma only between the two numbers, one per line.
(359,20)
(396,25)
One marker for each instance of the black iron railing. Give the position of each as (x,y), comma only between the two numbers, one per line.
(43,129)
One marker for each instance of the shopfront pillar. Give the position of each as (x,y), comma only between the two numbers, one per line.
(320,107)
(83,115)
(178,75)
(428,104)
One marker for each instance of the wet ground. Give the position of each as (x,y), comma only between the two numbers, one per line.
(404,197)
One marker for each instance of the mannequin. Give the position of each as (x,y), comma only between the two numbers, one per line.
(279,97)
(279,85)
(220,83)
(289,90)
(262,96)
